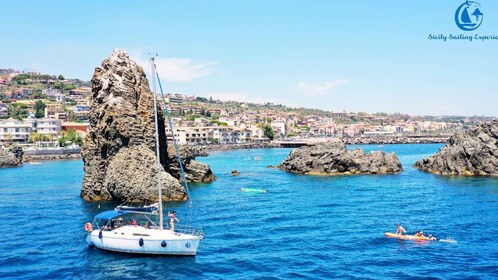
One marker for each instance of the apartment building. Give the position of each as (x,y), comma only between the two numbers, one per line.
(55,111)
(211,134)
(48,126)
(12,130)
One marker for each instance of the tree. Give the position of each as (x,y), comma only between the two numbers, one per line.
(268,132)
(7,138)
(71,102)
(18,111)
(61,77)
(201,99)
(36,137)
(70,136)
(40,109)
(45,78)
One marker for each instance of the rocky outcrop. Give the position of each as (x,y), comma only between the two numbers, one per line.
(332,158)
(11,157)
(119,152)
(469,153)
(195,171)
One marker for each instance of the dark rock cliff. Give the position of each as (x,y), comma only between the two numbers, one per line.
(468,153)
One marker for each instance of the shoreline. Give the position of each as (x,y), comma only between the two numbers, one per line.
(204,150)
(31,158)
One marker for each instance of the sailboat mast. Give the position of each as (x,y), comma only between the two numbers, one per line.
(153,80)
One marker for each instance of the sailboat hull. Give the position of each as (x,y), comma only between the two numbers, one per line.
(140,240)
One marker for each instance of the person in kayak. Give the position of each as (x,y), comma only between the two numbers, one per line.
(420,234)
(401,230)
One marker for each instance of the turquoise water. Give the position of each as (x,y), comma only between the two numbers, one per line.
(303,227)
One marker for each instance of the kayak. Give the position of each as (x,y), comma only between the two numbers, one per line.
(407,237)
(253,190)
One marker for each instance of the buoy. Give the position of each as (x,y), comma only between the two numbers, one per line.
(141,242)
(88,227)
(163,244)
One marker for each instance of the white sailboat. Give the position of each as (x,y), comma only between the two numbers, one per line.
(134,229)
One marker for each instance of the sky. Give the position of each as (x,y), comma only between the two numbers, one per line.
(353,56)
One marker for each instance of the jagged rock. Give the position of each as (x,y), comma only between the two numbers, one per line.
(119,152)
(468,153)
(195,171)
(332,158)
(11,157)
(137,166)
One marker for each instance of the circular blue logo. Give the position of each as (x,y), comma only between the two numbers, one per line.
(468,16)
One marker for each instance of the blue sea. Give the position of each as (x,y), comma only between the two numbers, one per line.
(304,227)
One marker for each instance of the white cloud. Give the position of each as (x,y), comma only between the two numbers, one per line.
(179,69)
(318,89)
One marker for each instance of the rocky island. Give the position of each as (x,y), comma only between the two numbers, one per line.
(469,153)
(11,157)
(119,151)
(332,158)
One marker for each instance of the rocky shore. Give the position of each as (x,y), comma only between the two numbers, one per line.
(11,157)
(395,140)
(28,158)
(332,158)
(470,153)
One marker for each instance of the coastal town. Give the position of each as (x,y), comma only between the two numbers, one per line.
(41,110)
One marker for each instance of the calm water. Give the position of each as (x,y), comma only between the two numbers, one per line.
(304,227)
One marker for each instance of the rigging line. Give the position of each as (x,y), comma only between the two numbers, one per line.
(159,167)
(173,137)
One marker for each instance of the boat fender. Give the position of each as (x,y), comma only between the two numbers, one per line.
(141,242)
(163,244)
(88,227)
(100,234)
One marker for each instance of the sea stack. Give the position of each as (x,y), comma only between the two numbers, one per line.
(332,158)
(119,155)
(470,153)
(11,157)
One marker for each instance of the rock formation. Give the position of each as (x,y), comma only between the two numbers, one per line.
(468,153)
(331,158)
(119,151)
(195,171)
(11,157)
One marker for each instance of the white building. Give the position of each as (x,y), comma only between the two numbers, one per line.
(12,130)
(211,134)
(48,126)
(279,126)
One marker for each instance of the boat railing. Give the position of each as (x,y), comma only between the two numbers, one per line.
(195,231)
